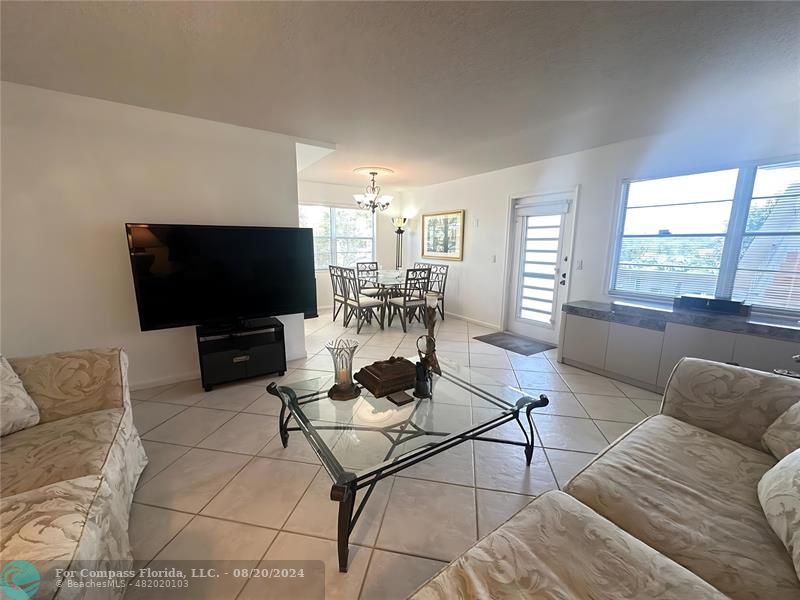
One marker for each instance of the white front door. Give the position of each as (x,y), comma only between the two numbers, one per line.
(540,258)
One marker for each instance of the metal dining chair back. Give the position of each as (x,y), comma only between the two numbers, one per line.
(417,283)
(368,274)
(438,284)
(358,305)
(338,289)
(412,301)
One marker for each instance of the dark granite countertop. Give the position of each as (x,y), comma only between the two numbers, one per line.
(656,317)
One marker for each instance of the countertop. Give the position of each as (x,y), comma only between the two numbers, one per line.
(656,316)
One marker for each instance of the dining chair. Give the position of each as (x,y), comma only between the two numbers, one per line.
(438,283)
(411,302)
(338,289)
(368,272)
(358,305)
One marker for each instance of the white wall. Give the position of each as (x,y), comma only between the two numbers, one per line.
(475,287)
(328,194)
(75,169)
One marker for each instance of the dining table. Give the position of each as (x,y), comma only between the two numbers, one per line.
(386,280)
(385,277)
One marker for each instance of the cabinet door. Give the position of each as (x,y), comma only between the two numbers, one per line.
(697,342)
(268,358)
(220,367)
(765,354)
(634,352)
(585,341)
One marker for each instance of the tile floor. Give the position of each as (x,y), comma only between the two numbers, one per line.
(218,472)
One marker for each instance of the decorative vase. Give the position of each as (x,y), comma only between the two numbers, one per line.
(342,351)
(426,344)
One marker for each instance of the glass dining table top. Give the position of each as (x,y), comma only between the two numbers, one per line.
(385,277)
(358,438)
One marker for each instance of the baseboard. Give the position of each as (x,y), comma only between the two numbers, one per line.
(150,383)
(624,379)
(473,321)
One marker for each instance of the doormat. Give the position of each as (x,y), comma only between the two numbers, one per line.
(515,343)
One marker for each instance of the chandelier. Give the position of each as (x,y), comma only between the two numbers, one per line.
(372,199)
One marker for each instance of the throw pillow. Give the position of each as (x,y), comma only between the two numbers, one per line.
(779,494)
(783,436)
(17,408)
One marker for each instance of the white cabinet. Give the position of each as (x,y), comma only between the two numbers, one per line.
(765,354)
(697,342)
(585,340)
(634,352)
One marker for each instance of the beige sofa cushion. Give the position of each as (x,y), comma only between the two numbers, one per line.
(65,384)
(17,409)
(48,520)
(734,402)
(557,548)
(56,451)
(779,494)
(691,495)
(783,436)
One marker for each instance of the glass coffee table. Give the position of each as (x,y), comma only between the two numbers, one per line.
(366,439)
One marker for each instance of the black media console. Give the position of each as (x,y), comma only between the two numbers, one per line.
(249,348)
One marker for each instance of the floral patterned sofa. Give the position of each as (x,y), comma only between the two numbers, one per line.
(668,511)
(66,484)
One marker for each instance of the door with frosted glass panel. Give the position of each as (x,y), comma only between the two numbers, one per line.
(540,275)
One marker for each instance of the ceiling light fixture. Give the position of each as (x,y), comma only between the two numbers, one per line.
(372,199)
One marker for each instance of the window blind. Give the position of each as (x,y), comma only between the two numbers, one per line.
(733,233)
(768,272)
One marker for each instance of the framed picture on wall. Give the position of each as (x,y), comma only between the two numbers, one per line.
(443,235)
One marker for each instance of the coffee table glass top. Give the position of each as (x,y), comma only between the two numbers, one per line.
(357,438)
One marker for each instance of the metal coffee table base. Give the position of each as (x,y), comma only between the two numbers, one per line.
(347,484)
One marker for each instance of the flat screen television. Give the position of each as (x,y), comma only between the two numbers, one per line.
(207,274)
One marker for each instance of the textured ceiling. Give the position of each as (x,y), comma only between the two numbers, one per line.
(433,90)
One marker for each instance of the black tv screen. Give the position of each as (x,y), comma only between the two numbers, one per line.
(193,274)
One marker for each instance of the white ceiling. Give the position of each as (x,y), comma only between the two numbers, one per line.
(435,90)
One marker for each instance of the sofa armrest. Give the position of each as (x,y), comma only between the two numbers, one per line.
(65,384)
(733,402)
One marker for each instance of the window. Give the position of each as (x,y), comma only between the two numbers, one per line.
(540,262)
(342,236)
(768,269)
(730,234)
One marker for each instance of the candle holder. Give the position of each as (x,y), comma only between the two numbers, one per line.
(342,351)
(431,302)
(426,344)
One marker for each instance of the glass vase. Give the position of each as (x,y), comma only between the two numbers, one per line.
(342,351)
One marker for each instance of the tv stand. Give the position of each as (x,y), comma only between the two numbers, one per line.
(240,349)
